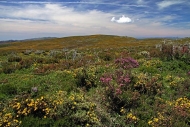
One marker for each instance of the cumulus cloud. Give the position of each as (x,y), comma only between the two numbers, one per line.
(122,19)
(165,3)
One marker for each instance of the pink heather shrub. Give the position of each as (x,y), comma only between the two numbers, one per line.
(106,79)
(126,63)
(116,82)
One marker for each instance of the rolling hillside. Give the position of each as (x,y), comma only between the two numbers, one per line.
(97,80)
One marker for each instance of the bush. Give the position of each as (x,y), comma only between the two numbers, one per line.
(30,121)
(26,63)
(126,63)
(14,58)
(86,77)
(147,84)
(52,110)
(117,83)
(44,69)
(27,52)
(106,56)
(8,68)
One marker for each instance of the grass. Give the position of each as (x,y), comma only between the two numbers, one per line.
(75,81)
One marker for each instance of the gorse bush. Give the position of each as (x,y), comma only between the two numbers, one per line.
(177,110)
(147,84)
(72,108)
(86,77)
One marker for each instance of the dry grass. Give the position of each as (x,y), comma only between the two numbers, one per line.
(82,42)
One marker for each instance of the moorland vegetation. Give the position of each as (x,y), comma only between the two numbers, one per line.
(97,80)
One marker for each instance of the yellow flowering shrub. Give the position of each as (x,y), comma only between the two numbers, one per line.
(152,63)
(8,120)
(81,110)
(69,72)
(174,80)
(86,77)
(131,118)
(146,83)
(26,107)
(177,109)
(159,121)
(142,79)
(181,107)
(75,107)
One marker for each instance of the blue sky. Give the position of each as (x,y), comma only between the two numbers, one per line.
(22,19)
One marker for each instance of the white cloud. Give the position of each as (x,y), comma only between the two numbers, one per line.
(33,20)
(53,18)
(140,1)
(167,3)
(113,19)
(122,19)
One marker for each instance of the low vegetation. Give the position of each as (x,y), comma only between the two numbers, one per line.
(96,80)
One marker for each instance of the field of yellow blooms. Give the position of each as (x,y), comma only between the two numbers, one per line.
(95,81)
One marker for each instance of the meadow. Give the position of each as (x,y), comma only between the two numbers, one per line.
(95,81)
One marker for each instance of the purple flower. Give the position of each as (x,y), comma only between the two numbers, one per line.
(105,80)
(188,73)
(124,79)
(118,91)
(126,63)
(120,85)
(34,89)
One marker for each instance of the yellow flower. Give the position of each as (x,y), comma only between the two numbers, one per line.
(155,119)
(150,122)
(122,110)
(15,120)
(134,118)
(72,98)
(35,108)
(87,125)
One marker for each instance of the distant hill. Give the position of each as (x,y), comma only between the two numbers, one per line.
(81,42)
(41,38)
(8,41)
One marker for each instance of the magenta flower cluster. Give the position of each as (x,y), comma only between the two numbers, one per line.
(126,63)
(121,82)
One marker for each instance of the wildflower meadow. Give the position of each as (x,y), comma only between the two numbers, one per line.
(95,81)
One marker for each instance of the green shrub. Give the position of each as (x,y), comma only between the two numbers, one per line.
(31,121)
(26,63)
(86,77)
(8,68)
(14,58)
(8,89)
(106,56)
(2,96)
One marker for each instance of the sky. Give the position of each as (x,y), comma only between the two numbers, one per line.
(23,19)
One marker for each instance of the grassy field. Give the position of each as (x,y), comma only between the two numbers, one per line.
(97,80)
